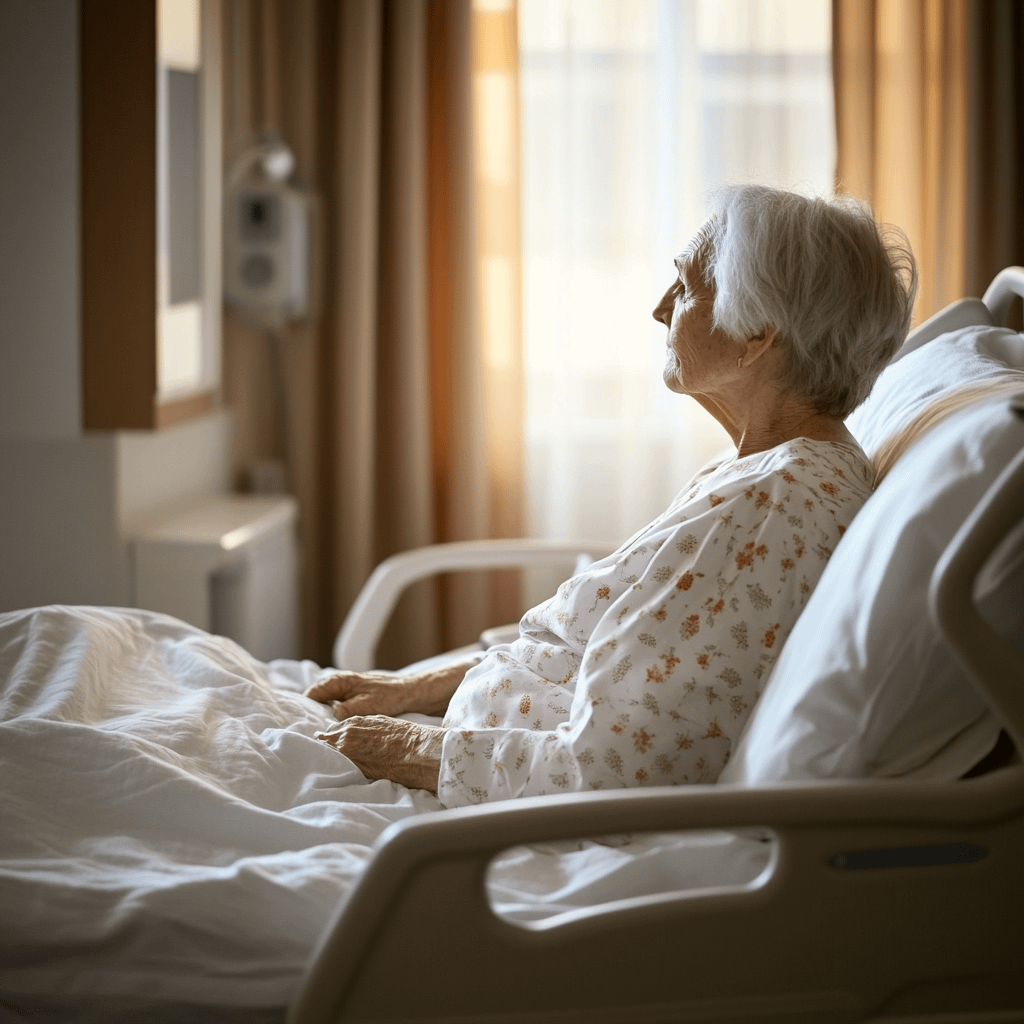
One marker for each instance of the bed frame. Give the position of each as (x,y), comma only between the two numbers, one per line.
(882,901)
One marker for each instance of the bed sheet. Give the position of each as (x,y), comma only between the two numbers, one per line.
(171,833)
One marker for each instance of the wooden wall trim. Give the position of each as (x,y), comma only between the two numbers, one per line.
(118,59)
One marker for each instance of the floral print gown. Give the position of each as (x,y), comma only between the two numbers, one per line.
(643,669)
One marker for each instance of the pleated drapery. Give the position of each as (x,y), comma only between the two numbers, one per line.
(929,115)
(381,416)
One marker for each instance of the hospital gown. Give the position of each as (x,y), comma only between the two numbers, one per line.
(643,669)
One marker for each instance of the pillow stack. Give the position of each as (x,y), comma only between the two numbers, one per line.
(865,686)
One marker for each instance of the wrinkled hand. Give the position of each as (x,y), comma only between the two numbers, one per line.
(389,748)
(352,694)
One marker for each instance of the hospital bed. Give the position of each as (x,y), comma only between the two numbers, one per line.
(174,845)
(895,900)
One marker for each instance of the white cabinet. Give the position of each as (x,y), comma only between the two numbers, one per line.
(228,565)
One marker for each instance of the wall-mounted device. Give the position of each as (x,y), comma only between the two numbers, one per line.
(266,237)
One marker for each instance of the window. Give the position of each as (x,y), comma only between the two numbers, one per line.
(632,110)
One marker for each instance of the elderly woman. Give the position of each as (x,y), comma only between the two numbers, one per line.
(643,669)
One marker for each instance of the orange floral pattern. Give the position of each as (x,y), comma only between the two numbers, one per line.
(643,669)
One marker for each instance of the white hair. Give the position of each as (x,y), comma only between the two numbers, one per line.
(837,287)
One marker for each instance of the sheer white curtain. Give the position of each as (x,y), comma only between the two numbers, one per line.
(632,110)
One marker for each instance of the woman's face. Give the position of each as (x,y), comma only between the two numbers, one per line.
(701,360)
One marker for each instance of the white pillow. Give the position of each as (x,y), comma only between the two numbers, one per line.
(865,686)
(923,377)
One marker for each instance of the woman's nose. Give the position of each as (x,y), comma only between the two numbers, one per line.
(663,310)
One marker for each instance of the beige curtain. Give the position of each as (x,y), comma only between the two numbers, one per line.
(383,417)
(928,110)
(499,246)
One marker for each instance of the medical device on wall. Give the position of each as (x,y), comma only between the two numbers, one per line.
(266,237)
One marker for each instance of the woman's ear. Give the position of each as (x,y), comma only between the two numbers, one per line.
(758,344)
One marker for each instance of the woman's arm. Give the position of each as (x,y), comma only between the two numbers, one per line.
(354,694)
(682,636)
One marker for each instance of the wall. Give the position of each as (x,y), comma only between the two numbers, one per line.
(68,500)
(39,281)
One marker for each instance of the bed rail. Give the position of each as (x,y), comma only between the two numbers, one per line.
(421,913)
(994,665)
(357,642)
(1007,285)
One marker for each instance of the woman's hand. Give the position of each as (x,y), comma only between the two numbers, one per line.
(388,748)
(354,694)
(365,693)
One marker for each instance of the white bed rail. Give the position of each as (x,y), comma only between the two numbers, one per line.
(993,664)
(421,913)
(357,642)
(1007,285)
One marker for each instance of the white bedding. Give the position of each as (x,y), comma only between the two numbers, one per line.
(170,833)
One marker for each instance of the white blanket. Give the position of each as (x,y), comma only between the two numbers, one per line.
(169,829)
